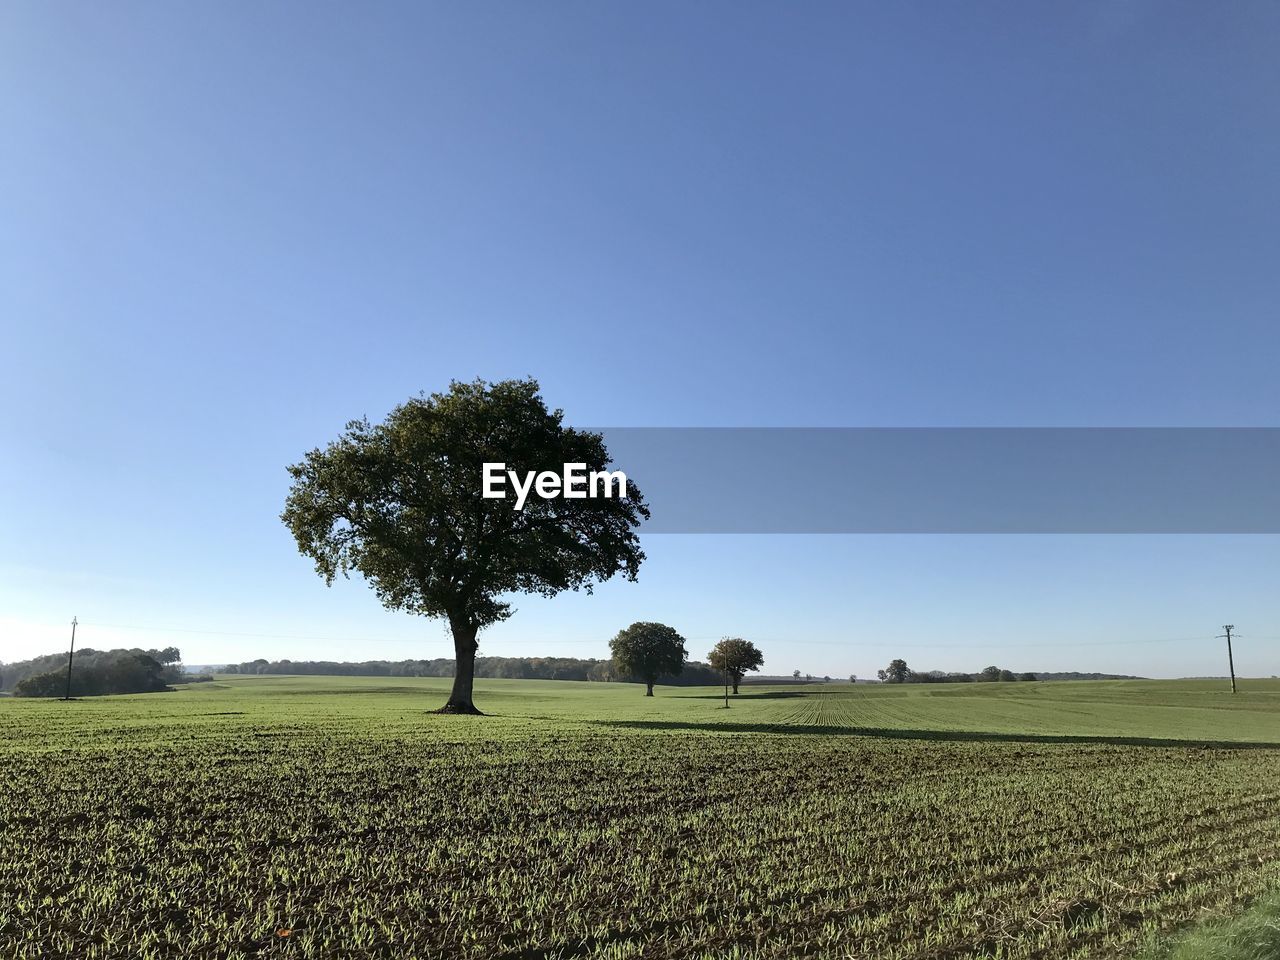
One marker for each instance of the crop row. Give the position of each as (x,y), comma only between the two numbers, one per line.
(305,840)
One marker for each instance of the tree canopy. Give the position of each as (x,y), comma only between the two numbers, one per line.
(648,651)
(95,673)
(694,674)
(896,672)
(899,672)
(400,502)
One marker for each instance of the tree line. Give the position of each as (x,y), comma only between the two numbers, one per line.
(645,652)
(493,668)
(95,673)
(898,672)
(648,653)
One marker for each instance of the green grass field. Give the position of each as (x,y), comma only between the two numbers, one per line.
(336,817)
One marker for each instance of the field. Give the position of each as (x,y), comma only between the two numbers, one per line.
(335,817)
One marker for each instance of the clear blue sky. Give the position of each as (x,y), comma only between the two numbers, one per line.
(226,229)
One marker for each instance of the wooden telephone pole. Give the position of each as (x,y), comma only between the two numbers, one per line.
(70,657)
(1231,663)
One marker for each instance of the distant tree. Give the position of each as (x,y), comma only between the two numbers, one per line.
(808,678)
(602,671)
(96,674)
(401,503)
(795,674)
(989,674)
(51,684)
(896,672)
(133,673)
(826,679)
(167,655)
(648,651)
(1007,676)
(736,657)
(853,678)
(694,674)
(1027,676)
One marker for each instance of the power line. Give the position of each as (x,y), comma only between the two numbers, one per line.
(1065,644)
(800,641)
(259,636)
(296,636)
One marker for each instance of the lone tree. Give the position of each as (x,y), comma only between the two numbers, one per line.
(648,651)
(896,672)
(400,502)
(735,657)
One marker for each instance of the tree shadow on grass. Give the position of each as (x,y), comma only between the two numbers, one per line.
(961,736)
(763,695)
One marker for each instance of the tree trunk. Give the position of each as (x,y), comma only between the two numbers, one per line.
(464,668)
(649,692)
(735,688)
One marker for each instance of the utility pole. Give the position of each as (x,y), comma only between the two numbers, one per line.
(70,657)
(1231,663)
